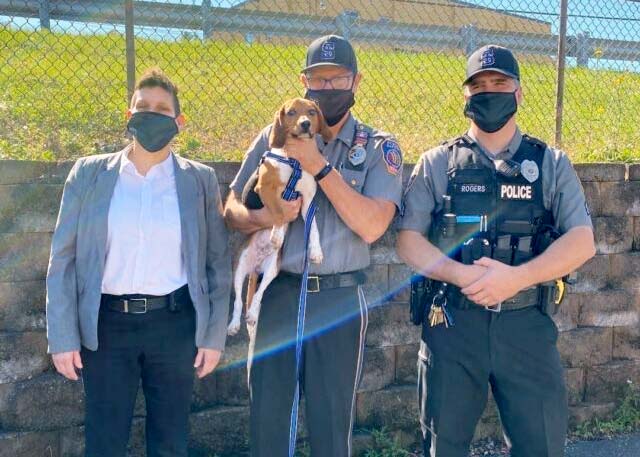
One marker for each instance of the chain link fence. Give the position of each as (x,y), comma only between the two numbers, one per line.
(67,68)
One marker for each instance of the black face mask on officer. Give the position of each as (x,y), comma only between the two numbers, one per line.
(490,111)
(334,103)
(152,130)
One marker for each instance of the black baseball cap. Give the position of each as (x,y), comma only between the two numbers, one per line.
(331,50)
(492,58)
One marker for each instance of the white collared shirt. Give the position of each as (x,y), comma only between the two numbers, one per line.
(144,248)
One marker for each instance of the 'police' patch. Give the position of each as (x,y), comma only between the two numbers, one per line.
(473,188)
(516,192)
(488,58)
(328,51)
(392,156)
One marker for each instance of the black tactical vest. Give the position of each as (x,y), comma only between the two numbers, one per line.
(497,215)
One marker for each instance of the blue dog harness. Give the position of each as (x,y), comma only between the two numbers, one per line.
(290,193)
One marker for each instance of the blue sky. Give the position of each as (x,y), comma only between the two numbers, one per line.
(616,19)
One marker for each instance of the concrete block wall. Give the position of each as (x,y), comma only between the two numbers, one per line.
(42,414)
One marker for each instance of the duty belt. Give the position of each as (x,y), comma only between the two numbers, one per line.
(524,299)
(316,283)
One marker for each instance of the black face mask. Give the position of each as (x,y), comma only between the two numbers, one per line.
(152,130)
(491,110)
(334,103)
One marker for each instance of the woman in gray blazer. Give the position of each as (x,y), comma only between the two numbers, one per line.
(138,280)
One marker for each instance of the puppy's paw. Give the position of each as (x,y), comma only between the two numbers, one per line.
(252,317)
(315,254)
(233,327)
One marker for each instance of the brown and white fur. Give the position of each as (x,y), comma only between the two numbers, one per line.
(301,119)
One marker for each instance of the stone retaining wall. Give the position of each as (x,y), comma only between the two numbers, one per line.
(41,413)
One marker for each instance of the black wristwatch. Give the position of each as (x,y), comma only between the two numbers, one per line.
(324,172)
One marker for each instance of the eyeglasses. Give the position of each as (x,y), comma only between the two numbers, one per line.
(339,82)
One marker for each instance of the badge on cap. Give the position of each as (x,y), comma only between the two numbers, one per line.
(529,170)
(357,155)
(392,156)
(488,58)
(328,51)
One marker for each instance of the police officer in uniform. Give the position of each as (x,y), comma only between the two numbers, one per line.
(359,188)
(493,218)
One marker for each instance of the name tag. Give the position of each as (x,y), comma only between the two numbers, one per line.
(473,188)
(516,192)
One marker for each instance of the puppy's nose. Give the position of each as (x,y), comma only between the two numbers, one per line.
(305,125)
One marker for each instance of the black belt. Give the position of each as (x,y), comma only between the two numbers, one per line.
(524,299)
(141,304)
(316,283)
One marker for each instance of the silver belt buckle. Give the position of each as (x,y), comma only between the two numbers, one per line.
(126,305)
(317,284)
(495,308)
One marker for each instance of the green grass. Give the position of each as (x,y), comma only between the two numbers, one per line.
(625,419)
(385,446)
(63,96)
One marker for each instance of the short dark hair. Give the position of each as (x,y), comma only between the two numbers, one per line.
(155,77)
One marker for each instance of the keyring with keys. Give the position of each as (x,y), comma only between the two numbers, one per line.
(439,313)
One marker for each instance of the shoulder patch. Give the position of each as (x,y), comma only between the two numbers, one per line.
(392,156)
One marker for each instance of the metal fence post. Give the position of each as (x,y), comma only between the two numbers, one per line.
(583,48)
(562,54)
(345,21)
(207,26)
(469,38)
(43,13)
(130,48)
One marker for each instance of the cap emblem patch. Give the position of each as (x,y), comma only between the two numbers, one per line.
(328,51)
(488,58)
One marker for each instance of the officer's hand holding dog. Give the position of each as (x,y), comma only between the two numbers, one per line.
(307,153)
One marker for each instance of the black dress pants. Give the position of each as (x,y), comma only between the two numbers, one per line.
(336,323)
(157,348)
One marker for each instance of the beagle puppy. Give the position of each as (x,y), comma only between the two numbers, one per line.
(298,118)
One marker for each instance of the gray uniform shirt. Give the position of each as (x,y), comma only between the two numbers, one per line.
(343,249)
(428,183)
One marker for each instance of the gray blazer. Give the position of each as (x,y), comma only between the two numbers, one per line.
(78,249)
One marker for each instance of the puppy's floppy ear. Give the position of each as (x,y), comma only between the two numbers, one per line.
(278,135)
(323,126)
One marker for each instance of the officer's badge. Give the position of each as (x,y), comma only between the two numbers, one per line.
(530,170)
(357,155)
(392,156)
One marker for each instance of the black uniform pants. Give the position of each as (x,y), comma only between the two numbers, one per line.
(336,322)
(515,353)
(158,348)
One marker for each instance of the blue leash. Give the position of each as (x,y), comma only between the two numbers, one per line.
(291,194)
(302,309)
